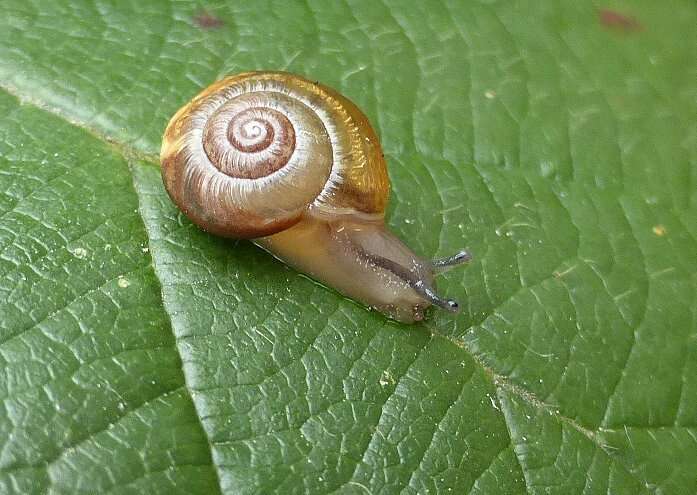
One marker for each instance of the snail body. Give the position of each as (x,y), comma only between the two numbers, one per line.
(296,167)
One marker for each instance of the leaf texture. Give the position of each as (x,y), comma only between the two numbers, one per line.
(556,140)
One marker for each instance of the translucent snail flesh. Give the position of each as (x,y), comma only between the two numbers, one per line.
(297,168)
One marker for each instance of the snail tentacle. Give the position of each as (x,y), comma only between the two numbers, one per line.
(442,264)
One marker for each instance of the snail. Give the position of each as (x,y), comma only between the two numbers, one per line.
(297,168)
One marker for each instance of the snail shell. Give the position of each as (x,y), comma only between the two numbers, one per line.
(250,154)
(296,167)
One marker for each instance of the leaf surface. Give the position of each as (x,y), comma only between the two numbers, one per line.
(556,140)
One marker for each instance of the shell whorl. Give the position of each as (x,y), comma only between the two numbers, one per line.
(252,153)
(248,143)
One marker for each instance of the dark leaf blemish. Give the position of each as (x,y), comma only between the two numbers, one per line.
(619,22)
(205,20)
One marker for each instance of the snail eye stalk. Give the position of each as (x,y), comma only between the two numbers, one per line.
(443,264)
(430,295)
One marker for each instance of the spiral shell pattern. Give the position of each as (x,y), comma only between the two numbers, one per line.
(250,154)
(248,143)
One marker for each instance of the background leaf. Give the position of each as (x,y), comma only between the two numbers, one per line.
(557,140)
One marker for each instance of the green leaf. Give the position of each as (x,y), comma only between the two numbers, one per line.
(556,140)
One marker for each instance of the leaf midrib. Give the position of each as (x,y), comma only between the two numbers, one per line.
(134,156)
